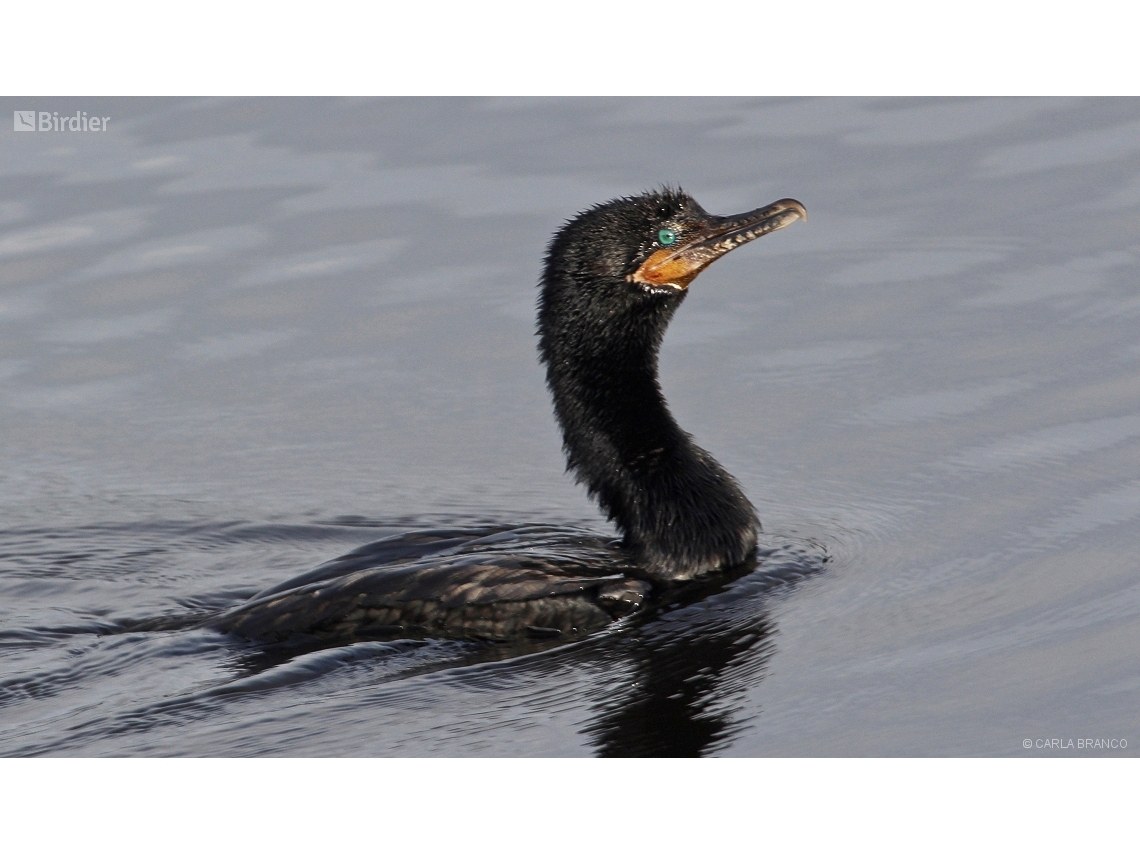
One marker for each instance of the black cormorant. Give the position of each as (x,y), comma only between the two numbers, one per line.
(614,276)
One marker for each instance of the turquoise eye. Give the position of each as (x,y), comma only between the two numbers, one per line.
(666,237)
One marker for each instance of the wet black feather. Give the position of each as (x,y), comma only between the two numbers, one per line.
(599,333)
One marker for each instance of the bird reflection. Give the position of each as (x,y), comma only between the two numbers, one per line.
(689,668)
(681,700)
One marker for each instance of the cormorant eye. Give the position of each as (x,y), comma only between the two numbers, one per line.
(666,237)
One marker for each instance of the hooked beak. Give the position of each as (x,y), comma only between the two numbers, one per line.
(677,266)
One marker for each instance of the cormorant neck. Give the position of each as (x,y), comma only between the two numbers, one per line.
(680,512)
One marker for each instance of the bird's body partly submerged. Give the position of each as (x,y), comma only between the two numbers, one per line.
(614,276)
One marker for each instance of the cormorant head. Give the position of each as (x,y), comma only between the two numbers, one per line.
(641,252)
(660,240)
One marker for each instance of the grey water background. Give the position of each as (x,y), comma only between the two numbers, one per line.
(241,337)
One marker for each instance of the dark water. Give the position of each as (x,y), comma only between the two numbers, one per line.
(240,338)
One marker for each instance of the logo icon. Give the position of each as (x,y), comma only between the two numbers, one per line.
(24,120)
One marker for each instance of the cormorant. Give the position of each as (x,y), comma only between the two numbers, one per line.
(614,275)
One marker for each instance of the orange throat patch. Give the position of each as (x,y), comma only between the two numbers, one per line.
(666,269)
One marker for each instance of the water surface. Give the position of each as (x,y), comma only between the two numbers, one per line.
(241,337)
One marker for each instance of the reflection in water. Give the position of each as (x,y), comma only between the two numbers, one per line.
(680,702)
(690,667)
